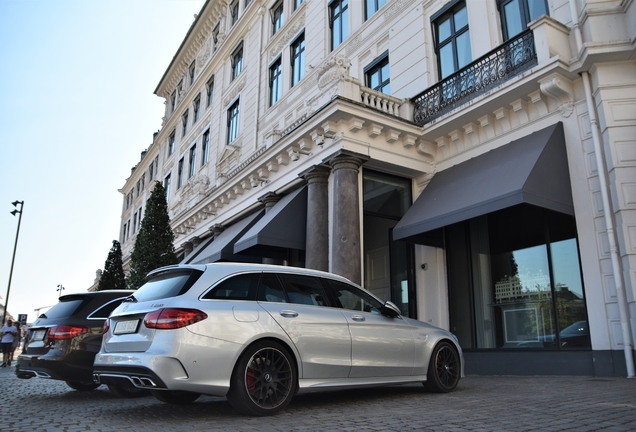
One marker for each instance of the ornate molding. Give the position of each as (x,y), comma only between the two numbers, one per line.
(234,90)
(287,37)
(560,89)
(333,69)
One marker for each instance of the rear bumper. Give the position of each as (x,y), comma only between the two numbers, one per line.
(60,368)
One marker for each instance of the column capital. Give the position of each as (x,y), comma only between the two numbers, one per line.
(269,199)
(344,159)
(187,246)
(316,174)
(216,229)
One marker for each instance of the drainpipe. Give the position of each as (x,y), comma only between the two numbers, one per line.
(621,295)
(261,13)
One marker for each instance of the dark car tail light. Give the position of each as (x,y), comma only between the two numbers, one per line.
(106,326)
(173,318)
(67,331)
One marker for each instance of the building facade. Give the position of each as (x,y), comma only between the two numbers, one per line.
(472,161)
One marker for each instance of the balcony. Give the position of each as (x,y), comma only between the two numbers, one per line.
(499,65)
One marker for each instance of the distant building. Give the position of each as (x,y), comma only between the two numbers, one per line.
(426,150)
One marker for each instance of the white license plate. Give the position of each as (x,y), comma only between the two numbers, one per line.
(124,327)
(38,335)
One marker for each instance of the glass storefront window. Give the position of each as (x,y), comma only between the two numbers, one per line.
(515,281)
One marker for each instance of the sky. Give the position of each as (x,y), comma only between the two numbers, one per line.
(76,109)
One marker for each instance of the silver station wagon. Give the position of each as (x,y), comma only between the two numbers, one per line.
(258,334)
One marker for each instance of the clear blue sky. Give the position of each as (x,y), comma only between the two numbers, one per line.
(76,109)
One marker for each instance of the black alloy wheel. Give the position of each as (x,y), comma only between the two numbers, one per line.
(264,380)
(443,369)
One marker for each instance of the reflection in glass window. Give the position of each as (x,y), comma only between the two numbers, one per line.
(452,40)
(241,287)
(516,14)
(338,21)
(304,290)
(515,281)
(352,298)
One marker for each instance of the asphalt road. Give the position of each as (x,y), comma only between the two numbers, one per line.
(495,403)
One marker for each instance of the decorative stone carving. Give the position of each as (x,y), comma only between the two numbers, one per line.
(333,69)
(287,37)
(560,89)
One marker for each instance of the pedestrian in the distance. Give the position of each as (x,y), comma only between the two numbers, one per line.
(9,332)
(16,340)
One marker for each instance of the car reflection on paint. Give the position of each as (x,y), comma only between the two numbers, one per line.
(259,334)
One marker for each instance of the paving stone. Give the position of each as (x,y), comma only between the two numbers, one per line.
(479,404)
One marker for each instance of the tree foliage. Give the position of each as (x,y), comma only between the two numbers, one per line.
(154,245)
(113,276)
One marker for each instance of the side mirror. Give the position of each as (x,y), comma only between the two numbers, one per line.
(390,309)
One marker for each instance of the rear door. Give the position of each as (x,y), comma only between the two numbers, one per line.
(299,305)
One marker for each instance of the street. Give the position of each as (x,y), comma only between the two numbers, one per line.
(494,403)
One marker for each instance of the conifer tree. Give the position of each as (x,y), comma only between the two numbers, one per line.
(113,276)
(154,245)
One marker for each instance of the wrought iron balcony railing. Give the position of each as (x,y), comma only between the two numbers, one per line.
(499,65)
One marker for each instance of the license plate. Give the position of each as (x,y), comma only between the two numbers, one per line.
(124,327)
(38,335)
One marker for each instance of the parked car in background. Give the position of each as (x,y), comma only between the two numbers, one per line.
(259,334)
(63,341)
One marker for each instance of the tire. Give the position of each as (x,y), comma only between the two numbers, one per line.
(264,380)
(443,369)
(175,397)
(80,386)
(127,392)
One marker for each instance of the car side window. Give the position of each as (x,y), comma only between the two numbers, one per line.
(271,290)
(304,290)
(240,287)
(352,298)
(105,311)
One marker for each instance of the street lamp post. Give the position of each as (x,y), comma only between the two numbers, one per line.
(15,247)
(59,288)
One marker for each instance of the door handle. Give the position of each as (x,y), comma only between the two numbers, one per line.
(358,318)
(288,314)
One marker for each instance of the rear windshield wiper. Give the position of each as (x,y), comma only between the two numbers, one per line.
(130,298)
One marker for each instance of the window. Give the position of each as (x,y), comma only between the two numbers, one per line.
(193,160)
(206,147)
(338,21)
(124,234)
(191,71)
(135,223)
(516,14)
(215,36)
(232,121)
(171,142)
(196,108)
(180,174)
(452,40)
(349,297)
(377,74)
(143,181)
(237,61)
(297,4)
(298,59)
(276,12)
(234,11)
(209,89)
(247,3)
(151,170)
(166,186)
(304,290)
(241,287)
(515,282)
(184,121)
(372,6)
(173,101)
(275,90)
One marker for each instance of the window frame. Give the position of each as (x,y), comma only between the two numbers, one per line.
(524,13)
(192,71)
(166,184)
(233,113)
(376,4)
(184,121)
(297,55)
(234,12)
(209,90)
(171,141)
(180,172)
(338,13)
(376,66)
(205,147)
(237,61)
(277,15)
(275,81)
(196,108)
(448,12)
(192,154)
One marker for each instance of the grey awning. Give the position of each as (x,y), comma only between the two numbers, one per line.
(222,248)
(283,227)
(532,170)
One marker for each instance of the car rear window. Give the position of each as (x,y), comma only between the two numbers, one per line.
(67,307)
(105,311)
(167,284)
(241,287)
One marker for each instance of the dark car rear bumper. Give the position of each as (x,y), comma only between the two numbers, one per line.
(30,366)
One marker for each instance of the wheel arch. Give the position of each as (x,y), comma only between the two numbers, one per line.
(290,350)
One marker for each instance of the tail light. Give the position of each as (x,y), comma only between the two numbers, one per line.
(66,332)
(106,326)
(173,318)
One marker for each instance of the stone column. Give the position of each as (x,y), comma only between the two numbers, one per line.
(346,257)
(317,236)
(270,199)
